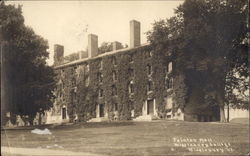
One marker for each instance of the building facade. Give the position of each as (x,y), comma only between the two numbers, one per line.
(132,83)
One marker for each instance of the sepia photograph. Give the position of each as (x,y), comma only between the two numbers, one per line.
(125,78)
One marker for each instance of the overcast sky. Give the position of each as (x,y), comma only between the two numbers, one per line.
(69,22)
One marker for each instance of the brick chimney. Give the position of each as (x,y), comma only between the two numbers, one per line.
(116,45)
(135,33)
(92,45)
(58,54)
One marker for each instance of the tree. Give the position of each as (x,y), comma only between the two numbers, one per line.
(27,80)
(105,47)
(209,41)
(72,57)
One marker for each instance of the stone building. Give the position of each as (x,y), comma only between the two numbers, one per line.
(131,83)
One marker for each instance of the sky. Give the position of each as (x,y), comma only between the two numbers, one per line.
(69,22)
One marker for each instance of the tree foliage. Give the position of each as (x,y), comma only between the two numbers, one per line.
(27,80)
(209,41)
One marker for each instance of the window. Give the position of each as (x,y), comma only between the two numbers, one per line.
(148,54)
(62,71)
(100,92)
(114,60)
(73,82)
(87,68)
(100,77)
(149,69)
(131,72)
(131,58)
(169,67)
(149,86)
(114,76)
(114,90)
(87,81)
(131,87)
(115,106)
(101,65)
(169,83)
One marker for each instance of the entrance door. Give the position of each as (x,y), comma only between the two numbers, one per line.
(101,110)
(63,113)
(150,105)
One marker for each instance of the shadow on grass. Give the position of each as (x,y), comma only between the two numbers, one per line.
(73,125)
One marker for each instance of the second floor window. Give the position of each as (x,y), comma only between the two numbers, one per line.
(169,67)
(149,86)
(149,69)
(100,77)
(169,83)
(73,82)
(131,72)
(114,75)
(114,90)
(131,87)
(100,92)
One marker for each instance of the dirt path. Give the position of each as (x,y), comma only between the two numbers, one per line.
(13,151)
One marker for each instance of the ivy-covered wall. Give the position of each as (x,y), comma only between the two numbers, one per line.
(79,84)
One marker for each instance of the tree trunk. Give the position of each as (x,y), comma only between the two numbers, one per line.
(222,114)
(31,119)
(228,112)
(40,119)
(221,102)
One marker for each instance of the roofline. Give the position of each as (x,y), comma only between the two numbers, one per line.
(98,56)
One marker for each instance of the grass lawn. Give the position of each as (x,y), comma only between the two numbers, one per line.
(138,138)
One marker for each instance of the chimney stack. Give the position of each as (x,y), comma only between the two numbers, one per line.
(116,46)
(92,45)
(135,33)
(58,54)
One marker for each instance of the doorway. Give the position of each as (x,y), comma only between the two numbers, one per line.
(101,110)
(64,113)
(150,106)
